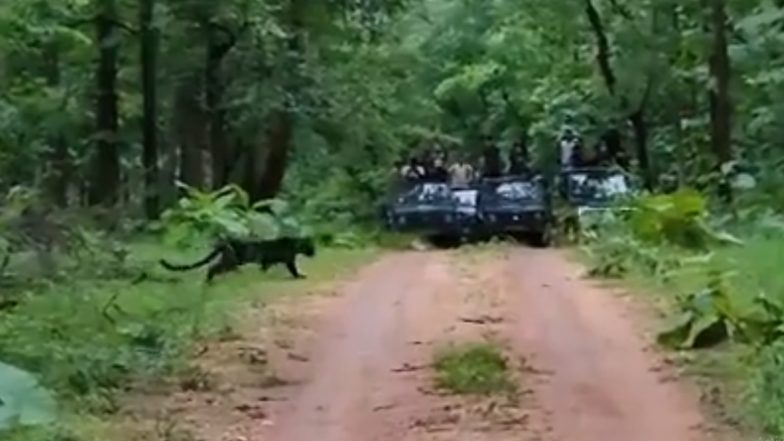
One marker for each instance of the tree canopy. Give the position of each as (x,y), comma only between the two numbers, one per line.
(112,101)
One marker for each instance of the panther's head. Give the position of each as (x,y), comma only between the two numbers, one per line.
(307,247)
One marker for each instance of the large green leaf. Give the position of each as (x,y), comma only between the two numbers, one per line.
(707,331)
(22,400)
(678,332)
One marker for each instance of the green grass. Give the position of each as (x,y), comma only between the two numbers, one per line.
(89,338)
(751,381)
(474,369)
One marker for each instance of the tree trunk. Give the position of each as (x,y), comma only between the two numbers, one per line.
(59,170)
(282,127)
(720,101)
(191,126)
(278,146)
(640,128)
(106,163)
(612,140)
(602,46)
(219,43)
(677,116)
(149,58)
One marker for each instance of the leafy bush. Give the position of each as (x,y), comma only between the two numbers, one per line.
(678,219)
(766,394)
(705,318)
(615,256)
(226,213)
(708,317)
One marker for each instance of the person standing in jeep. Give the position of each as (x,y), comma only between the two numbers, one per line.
(570,148)
(492,166)
(437,168)
(413,171)
(518,159)
(461,173)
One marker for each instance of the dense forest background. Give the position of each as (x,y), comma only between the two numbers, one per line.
(109,103)
(112,110)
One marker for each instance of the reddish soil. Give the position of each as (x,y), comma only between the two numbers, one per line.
(601,382)
(355,367)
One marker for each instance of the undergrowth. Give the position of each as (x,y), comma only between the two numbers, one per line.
(473,368)
(727,292)
(89,338)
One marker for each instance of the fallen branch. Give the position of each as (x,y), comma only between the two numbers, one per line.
(483,320)
(410,368)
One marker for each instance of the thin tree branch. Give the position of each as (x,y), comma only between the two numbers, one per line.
(622,10)
(603,46)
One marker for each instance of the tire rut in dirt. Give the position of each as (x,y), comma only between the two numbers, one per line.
(366,369)
(597,382)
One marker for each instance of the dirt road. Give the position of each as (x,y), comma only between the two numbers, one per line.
(361,371)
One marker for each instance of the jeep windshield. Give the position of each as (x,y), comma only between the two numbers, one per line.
(597,187)
(428,193)
(519,191)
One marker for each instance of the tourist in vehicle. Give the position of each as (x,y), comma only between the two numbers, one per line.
(461,173)
(593,157)
(413,171)
(518,159)
(437,169)
(570,148)
(492,166)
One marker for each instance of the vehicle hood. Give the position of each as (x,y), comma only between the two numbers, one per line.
(422,208)
(514,207)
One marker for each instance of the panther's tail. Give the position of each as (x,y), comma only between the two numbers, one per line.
(172,267)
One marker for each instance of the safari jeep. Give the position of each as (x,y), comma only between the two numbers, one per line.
(590,196)
(434,210)
(517,206)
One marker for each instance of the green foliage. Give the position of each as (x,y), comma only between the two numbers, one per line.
(89,339)
(22,400)
(736,297)
(615,252)
(706,318)
(227,213)
(478,368)
(766,391)
(679,219)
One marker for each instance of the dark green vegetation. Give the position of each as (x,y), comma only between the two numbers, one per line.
(473,368)
(725,292)
(105,105)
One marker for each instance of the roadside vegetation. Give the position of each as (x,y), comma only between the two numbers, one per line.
(718,284)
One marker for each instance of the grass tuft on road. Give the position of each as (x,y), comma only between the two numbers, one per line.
(473,369)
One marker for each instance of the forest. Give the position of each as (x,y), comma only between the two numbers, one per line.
(135,130)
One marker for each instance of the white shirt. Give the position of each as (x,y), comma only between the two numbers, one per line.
(567,147)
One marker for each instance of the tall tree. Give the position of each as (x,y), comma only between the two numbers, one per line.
(720,70)
(104,186)
(59,172)
(191,129)
(219,41)
(281,130)
(149,62)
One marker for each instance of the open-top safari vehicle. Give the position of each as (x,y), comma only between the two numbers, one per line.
(434,210)
(591,195)
(518,206)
